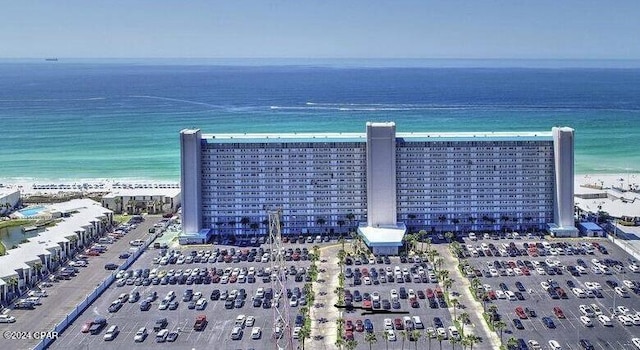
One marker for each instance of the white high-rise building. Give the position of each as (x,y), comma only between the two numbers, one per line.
(383,182)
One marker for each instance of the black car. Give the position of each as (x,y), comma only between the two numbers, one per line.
(145,305)
(172,336)
(437,322)
(111,266)
(530,312)
(548,322)
(520,286)
(570,284)
(124,256)
(228,304)
(257,302)
(215,294)
(518,324)
(160,324)
(586,344)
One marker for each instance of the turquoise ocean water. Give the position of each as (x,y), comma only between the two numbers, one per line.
(86,120)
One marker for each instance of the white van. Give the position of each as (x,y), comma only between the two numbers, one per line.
(318,239)
(105,240)
(472,236)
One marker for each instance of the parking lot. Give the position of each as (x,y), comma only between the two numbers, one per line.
(220,315)
(538,273)
(64,295)
(398,289)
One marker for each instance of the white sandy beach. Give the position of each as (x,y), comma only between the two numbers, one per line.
(51,187)
(29,187)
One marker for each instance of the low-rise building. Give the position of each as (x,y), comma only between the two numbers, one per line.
(82,221)
(139,200)
(9,199)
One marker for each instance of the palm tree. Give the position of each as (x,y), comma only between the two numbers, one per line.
(500,326)
(454,341)
(475,283)
(512,342)
(449,236)
(464,319)
(443,274)
(351,344)
(403,334)
(350,217)
(305,332)
(440,338)
(439,261)
(340,342)
(385,336)
(454,302)
(371,339)
(492,311)
(424,239)
(12,282)
(340,224)
(415,336)
(471,340)
(431,254)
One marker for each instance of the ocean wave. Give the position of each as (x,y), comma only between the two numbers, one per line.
(331,106)
(178,100)
(55,99)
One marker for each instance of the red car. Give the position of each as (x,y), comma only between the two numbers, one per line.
(348,326)
(348,335)
(558,312)
(366,304)
(525,271)
(520,312)
(438,292)
(429,293)
(86,326)
(91,252)
(492,295)
(398,324)
(359,326)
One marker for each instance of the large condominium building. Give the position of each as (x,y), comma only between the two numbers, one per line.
(380,181)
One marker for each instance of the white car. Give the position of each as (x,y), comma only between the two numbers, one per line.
(418,322)
(636,342)
(201,304)
(391,335)
(296,333)
(545,285)
(579,292)
(38,293)
(622,309)
(500,294)
(375,296)
(586,321)
(442,332)
(534,345)
(7,319)
(141,335)
(629,284)
(111,333)
(554,345)
(621,292)
(596,309)
(256,333)
(240,319)
(453,332)
(394,294)
(605,320)
(388,324)
(625,320)
(293,302)
(249,321)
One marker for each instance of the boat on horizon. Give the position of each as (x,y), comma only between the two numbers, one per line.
(51,59)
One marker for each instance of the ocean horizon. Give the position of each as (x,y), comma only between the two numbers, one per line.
(120,120)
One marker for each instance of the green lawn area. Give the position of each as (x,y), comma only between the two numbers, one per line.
(121,218)
(12,223)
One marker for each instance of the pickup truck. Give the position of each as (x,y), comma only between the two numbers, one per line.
(201,323)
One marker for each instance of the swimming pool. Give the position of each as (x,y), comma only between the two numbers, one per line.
(31,211)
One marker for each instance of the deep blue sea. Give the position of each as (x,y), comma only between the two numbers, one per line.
(83,120)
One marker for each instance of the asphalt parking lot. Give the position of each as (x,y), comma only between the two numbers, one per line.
(64,295)
(426,311)
(217,333)
(570,329)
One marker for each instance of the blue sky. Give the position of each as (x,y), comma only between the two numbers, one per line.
(519,29)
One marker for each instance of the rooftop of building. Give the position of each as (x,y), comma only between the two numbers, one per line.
(383,235)
(149,191)
(362,137)
(81,213)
